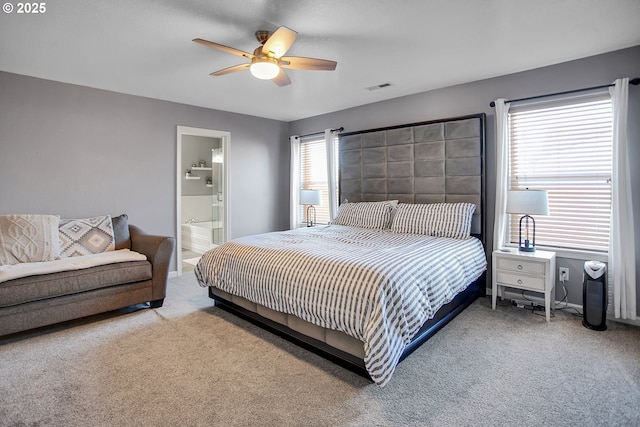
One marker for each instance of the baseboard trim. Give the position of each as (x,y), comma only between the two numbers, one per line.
(510,295)
(627,321)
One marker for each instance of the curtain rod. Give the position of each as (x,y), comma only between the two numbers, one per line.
(635,82)
(340,129)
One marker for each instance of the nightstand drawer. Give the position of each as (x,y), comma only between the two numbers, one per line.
(528,271)
(521,281)
(521,266)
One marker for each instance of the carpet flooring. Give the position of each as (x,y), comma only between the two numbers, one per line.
(192,364)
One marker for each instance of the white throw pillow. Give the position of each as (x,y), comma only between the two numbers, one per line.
(28,238)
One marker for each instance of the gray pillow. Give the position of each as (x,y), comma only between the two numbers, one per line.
(121,231)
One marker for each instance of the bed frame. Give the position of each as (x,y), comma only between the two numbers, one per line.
(343,358)
(427,162)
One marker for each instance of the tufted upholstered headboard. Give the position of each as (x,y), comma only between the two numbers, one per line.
(427,162)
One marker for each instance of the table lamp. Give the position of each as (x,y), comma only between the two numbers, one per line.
(310,198)
(527,202)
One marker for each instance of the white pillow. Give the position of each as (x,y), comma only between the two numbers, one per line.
(374,215)
(86,236)
(434,219)
(28,238)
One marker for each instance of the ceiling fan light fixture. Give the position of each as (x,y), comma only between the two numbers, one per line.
(267,60)
(265,69)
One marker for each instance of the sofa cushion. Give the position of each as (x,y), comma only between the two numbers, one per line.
(121,231)
(86,236)
(35,288)
(28,238)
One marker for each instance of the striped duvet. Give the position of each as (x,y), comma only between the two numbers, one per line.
(376,286)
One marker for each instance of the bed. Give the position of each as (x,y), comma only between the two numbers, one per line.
(402,258)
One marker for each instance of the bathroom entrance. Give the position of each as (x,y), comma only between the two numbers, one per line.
(201,197)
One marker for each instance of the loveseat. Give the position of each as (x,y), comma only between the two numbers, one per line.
(76,268)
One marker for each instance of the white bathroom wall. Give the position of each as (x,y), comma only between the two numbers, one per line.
(197,208)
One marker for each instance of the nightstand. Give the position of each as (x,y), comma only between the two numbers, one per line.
(531,271)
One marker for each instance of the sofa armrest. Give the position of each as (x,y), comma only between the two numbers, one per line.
(158,250)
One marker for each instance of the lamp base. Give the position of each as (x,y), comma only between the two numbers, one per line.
(526,247)
(311,210)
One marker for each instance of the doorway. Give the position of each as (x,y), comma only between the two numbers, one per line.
(202,187)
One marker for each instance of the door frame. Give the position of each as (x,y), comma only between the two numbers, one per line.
(226,139)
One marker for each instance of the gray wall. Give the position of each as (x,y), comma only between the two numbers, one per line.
(474,98)
(79,152)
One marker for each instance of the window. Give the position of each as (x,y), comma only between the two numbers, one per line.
(313,174)
(565,147)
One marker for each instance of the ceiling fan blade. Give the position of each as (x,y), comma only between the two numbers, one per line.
(230,70)
(224,48)
(282,79)
(300,63)
(279,42)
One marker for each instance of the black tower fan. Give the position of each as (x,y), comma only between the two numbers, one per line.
(594,296)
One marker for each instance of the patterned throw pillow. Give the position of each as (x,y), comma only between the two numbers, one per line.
(86,236)
(435,219)
(28,238)
(373,215)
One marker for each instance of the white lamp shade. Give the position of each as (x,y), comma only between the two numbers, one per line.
(310,197)
(531,202)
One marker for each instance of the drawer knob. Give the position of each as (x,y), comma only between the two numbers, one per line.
(519,266)
(519,281)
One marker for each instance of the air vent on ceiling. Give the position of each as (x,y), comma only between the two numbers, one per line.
(383,85)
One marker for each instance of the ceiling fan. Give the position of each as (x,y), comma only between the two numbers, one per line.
(267,60)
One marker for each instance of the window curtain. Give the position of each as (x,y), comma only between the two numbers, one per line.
(502,173)
(332,173)
(294,203)
(622,267)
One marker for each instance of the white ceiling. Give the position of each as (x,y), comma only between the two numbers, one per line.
(144,47)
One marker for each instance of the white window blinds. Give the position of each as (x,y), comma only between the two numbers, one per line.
(313,170)
(565,147)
